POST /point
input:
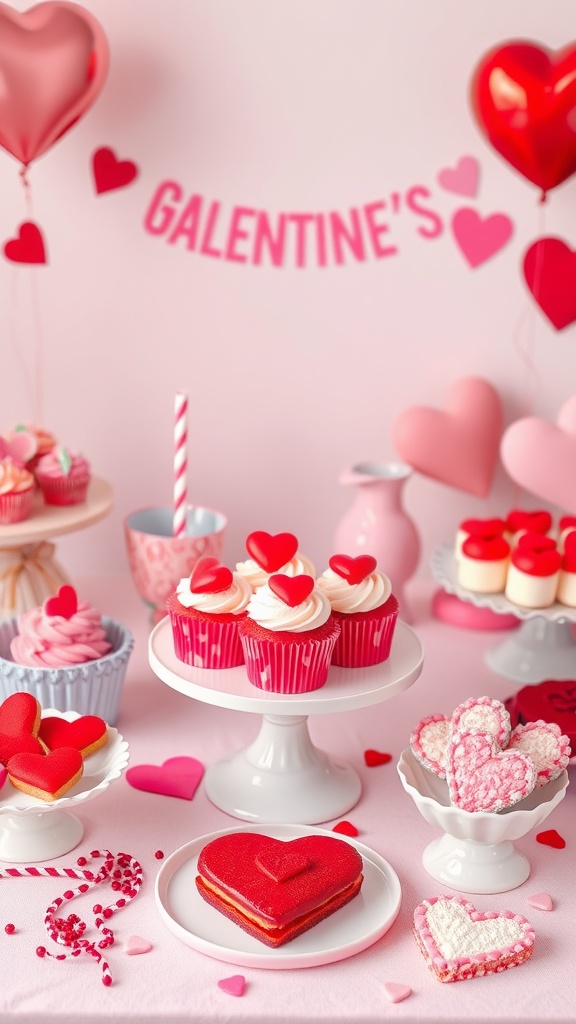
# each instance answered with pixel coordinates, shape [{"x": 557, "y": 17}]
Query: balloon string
[
  {"x": 38, "y": 404},
  {"x": 33, "y": 371},
  {"x": 15, "y": 335}
]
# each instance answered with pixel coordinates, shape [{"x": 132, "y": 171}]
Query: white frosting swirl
[
  {"x": 350, "y": 598},
  {"x": 299, "y": 565},
  {"x": 271, "y": 613},
  {"x": 232, "y": 601}
]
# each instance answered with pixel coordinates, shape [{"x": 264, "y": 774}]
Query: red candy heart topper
[
  {"x": 353, "y": 570},
  {"x": 569, "y": 560},
  {"x": 64, "y": 603},
  {"x": 292, "y": 590},
  {"x": 209, "y": 577},
  {"x": 271, "y": 551}
]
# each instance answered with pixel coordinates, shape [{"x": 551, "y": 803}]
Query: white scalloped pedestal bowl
[{"x": 476, "y": 853}]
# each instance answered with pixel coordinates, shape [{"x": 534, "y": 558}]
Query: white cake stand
[
  {"x": 32, "y": 830},
  {"x": 543, "y": 647},
  {"x": 282, "y": 776},
  {"x": 476, "y": 852}
]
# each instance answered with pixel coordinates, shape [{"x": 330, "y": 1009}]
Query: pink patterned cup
[{"x": 158, "y": 560}]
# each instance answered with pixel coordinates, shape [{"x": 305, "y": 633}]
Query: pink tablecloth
[{"x": 174, "y": 984}]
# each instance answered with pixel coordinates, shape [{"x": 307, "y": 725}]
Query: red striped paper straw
[{"x": 180, "y": 462}]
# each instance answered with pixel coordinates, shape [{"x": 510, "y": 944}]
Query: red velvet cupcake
[
  {"x": 205, "y": 613},
  {"x": 363, "y": 604}
]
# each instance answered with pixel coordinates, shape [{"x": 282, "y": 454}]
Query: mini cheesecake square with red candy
[
  {"x": 534, "y": 571},
  {"x": 276, "y": 890}
]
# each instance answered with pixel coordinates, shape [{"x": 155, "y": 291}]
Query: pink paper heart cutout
[
  {"x": 234, "y": 986},
  {"x": 109, "y": 172},
  {"x": 540, "y": 901},
  {"x": 481, "y": 777},
  {"x": 458, "y": 445},
  {"x": 396, "y": 992},
  {"x": 480, "y": 238},
  {"x": 540, "y": 456},
  {"x": 462, "y": 178},
  {"x": 550, "y": 272},
  {"x": 135, "y": 944},
  {"x": 178, "y": 776}
]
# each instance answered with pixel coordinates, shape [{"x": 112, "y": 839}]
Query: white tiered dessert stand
[
  {"x": 543, "y": 646},
  {"x": 282, "y": 776}
]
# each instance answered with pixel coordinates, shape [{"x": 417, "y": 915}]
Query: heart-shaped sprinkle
[
  {"x": 551, "y": 838},
  {"x": 481, "y": 777},
  {"x": 135, "y": 944},
  {"x": 271, "y": 551},
  {"x": 282, "y": 865},
  {"x": 178, "y": 776},
  {"x": 233, "y": 986},
  {"x": 209, "y": 577},
  {"x": 346, "y": 828},
  {"x": 353, "y": 570},
  {"x": 540, "y": 901},
  {"x": 373, "y": 758},
  {"x": 64, "y": 603},
  {"x": 292, "y": 590},
  {"x": 396, "y": 992}
]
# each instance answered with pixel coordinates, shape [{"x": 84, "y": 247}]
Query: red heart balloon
[
  {"x": 353, "y": 570},
  {"x": 53, "y": 63},
  {"x": 292, "y": 590},
  {"x": 271, "y": 551},
  {"x": 208, "y": 577},
  {"x": 524, "y": 99},
  {"x": 550, "y": 273},
  {"x": 64, "y": 603}
]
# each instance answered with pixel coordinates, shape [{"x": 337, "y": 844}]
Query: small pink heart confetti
[
  {"x": 234, "y": 986},
  {"x": 396, "y": 992},
  {"x": 540, "y": 901},
  {"x": 373, "y": 758},
  {"x": 135, "y": 944}
]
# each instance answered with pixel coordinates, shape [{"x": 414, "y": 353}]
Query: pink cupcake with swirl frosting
[
  {"x": 365, "y": 607},
  {"x": 63, "y": 477},
  {"x": 16, "y": 492}
]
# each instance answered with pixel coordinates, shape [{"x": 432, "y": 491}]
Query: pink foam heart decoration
[
  {"x": 480, "y": 238},
  {"x": 135, "y": 944},
  {"x": 550, "y": 273},
  {"x": 178, "y": 776},
  {"x": 462, "y": 179},
  {"x": 540, "y": 456},
  {"x": 396, "y": 992},
  {"x": 234, "y": 986},
  {"x": 541, "y": 901},
  {"x": 458, "y": 445}
]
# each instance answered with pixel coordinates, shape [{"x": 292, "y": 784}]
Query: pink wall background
[{"x": 293, "y": 372}]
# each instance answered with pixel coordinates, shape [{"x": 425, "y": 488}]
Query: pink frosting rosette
[{"x": 53, "y": 641}]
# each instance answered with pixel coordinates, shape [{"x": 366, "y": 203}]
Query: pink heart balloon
[
  {"x": 540, "y": 456},
  {"x": 53, "y": 63},
  {"x": 458, "y": 446}
]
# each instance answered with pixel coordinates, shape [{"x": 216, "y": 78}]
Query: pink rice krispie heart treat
[
  {"x": 545, "y": 743},
  {"x": 429, "y": 742},
  {"x": 485, "y": 715},
  {"x": 481, "y": 777}
]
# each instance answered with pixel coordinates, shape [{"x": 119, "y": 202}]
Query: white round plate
[{"x": 346, "y": 932}]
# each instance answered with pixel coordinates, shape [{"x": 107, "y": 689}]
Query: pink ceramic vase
[{"x": 377, "y": 523}]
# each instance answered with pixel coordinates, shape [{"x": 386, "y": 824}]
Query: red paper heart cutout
[
  {"x": 28, "y": 247},
  {"x": 346, "y": 828},
  {"x": 282, "y": 865},
  {"x": 292, "y": 590},
  {"x": 551, "y": 838},
  {"x": 82, "y": 734},
  {"x": 353, "y": 570},
  {"x": 271, "y": 551},
  {"x": 209, "y": 577},
  {"x": 49, "y": 773},
  {"x": 372, "y": 758},
  {"x": 64, "y": 603},
  {"x": 550, "y": 273},
  {"x": 111, "y": 173},
  {"x": 178, "y": 776}
]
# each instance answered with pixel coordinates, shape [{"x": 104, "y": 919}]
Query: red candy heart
[
  {"x": 64, "y": 603},
  {"x": 292, "y": 590},
  {"x": 282, "y": 865},
  {"x": 271, "y": 551},
  {"x": 551, "y": 838},
  {"x": 353, "y": 570},
  {"x": 373, "y": 758},
  {"x": 538, "y": 522},
  {"x": 345, "y": 828},
  {"x": 569, "y": 560},
  {"x": 208, "y": 577}
]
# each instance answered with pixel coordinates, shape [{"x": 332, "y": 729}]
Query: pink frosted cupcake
[
  {"x": 363, "y": 603},
  {"x": 63, "y": 477},
  {"x": 60, "y": 632},
  {"x": 273, "y": 553},
  {"x": 205, "y": 613},
  {"x": 34, "y": 441},
  {"x": 16, "y": 492},
  {"x": 288, "y": 635}
]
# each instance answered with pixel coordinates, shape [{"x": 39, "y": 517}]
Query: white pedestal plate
[{"x": 282, "y": 776}]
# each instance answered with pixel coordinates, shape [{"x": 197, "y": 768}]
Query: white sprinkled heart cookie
[
  {"x": 485, "y": 715},
  {"x": 481, "y": 777},
  {"x": 546, "y": 745},
  {"x": 429, "y": 743}
]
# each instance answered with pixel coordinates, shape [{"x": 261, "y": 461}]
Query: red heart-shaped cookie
[
  {"x": 47, "y": 776},
  {"x": 209, "y": 577},
  {"x": 86, "y": 734},
  {"x": 64, "y": 603},
  {"x": 353, "y": 570},
  {"x": 19, "y": 723},
  {"x": 271, "y": 551},
  {"x": 292, "y": 590}
]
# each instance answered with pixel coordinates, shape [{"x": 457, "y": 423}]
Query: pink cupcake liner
[
  {"x": 283, "y": 667},
  {"x": 206, "y": 643},
  {"x": 16, "y": 507},
  {"x": 63, "y": 491},
  {"x": 365, "y": 641}
]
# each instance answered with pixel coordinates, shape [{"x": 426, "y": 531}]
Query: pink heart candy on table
[
  {"x": 395, "y": 992},
  {"x": 541, "y": 901},
  {"x": 135, "y": 944},
  {"x": 545, "y": 743},
  {"x": 462, "y": 178},
  {"x": 540, "y": 456},
  {"x": 481, "y": 777},
  {"x": 458, "y": 445},
  {"x": 479, "y": 238},
  {"x": 178, "y": 776},
  {"x": 233, "y": 986}
]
